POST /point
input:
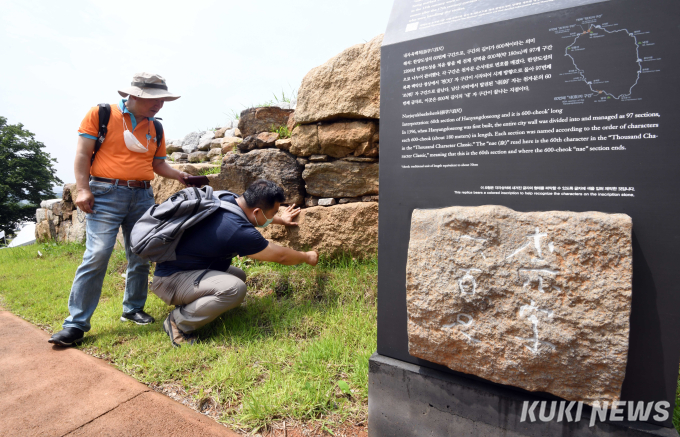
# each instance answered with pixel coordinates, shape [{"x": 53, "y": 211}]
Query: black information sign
[{"x": 539, "y": 105}]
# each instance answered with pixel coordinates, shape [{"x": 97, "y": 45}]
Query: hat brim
[{"x": 148, "y": 93}]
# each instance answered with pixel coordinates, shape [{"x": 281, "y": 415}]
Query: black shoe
[
  {"x": 67, "y": 337},
  {"x": 140, "y": 318}
]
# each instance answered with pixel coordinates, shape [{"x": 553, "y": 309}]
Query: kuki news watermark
[{"x": 617, "y": 411}]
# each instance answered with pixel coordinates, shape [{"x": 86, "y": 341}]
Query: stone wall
[
  {"x": 330, "y": 160},
  {"x": 60, "y": 220}
]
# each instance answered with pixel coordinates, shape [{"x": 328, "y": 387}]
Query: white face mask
[{"x": 131, "y": 142}]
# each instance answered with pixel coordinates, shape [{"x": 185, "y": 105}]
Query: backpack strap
[
  {"x": 104, "y": 116},
  {"x": 228, "y": 205},
  {"x": 159, "y": 133}
]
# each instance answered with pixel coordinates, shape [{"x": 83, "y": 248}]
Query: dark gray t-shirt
[{"x": 213, "y": 242}]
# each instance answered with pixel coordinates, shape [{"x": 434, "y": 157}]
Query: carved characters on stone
[
  {"x": 533, "y": 311},
  {"x": 537, "y": 300},
  {"x": 463, "y": 320}
]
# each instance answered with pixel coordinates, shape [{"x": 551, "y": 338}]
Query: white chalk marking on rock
[
  {"x": 460, "y": 322},
  {"x": 536, "y": 240},
  {"x": 536, "y": 342},
  {"x": 468, "y": 277},
  {"x": 537, "y": 278},
  {"x": 467, "y": 237}
]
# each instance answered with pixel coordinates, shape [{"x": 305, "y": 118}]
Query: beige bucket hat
[{"x": 148, "y": 86}]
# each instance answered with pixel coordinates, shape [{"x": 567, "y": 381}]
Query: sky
[{"x": 61, "y": 58}]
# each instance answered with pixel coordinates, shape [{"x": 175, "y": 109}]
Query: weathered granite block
[
  {"x": 341, "y": 179},
  {"x": 342, "y": 229},
  {"x": 537, "y": 300},
  {"x": 241, "y": 170}
]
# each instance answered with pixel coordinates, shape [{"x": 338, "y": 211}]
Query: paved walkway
[{"x": 51, "y": 391}]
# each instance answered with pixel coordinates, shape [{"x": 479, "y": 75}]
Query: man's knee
[
  {"x": 232, "y": 291},
  {"x": 237, "y": 272},
  {"x": 97, "y": 257}
]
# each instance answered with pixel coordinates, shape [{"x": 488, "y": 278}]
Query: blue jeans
[{"x": 115, "y": 206}]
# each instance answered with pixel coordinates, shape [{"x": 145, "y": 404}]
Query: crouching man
[{"x": 201, "y": 282}]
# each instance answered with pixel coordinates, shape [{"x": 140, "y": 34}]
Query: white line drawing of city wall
[{"x": 589, "y": 83}]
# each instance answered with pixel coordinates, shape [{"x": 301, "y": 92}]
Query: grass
[
  {"x": 283, "y": 98},
  {"x": 210, "y": 170},
  {"x": 676, "y": 412},
  {"x": 283, "y": 131},
  {"x": 233, "y": 115},
  {"x": 296, "y": 350}
]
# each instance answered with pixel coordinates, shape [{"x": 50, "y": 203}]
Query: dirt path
[{"x": 51, "y": 391}]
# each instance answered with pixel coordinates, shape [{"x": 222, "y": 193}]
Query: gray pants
[{"x": 217, "y": 293}]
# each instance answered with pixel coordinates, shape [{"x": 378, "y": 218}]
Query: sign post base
[{"x": 405, "y": 399}]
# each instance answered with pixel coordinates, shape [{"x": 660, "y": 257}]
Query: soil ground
[{"x": 53, "y": 391}]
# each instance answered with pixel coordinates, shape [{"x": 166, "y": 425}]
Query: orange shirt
[{"x": 114, "y": 160}]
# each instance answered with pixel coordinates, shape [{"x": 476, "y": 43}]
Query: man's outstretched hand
[
  {"x": 289, "y": 215},
  {"x": 312, "y": 258}
]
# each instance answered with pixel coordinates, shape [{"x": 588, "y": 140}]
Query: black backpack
[{"x": 105, "y": 115}]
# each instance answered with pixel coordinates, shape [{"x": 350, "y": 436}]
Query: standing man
[{"x": 114, "y": 189}]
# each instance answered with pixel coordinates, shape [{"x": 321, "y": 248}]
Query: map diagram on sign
[{"x": 607, "y": 58}]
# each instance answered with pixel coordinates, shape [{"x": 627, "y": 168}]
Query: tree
[{"x": 27, "y": 175}]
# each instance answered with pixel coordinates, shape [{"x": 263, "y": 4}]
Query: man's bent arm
[
  {"x": 81, "y": 167},
  {"x": 285, "y": 256},
  {"x": 161, "y": 168}
]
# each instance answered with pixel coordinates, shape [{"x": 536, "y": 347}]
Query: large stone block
[
  {"x": 219, "y": 133},
  {"x": 173, "y": 146},
  {"x": 347, "y": 86},
  {"x": 283, "y": 144},
  {"x": 343, "y": 138},
  {"x": 305, "y": 140},
  {"x": 77, "y": 230},
  {"x": 255, "y": 120},
  {"x": 69, "y": 193},
  {"x": 537, "y": 300},
  {"x": 63, "y": 231},
  {"x": 165, "y": 187},
  {"x": 205, "y": 141},
  {"x": 47, "y": 204},
  {"x": 341, "y": 179},
  {"x": 57, "y": 207},
  {"x": 262, "y": 140},
  {"x": 190, "y": 142},
  {"x": 229, "y": 144},
  {"x": 350, "y": 229},
  {"x": 40, "y": 215},
  {"x": 240, "y": 170},
  {"x": 198, "y": 156},
  {"x": 179, "y": 155},
  {"x": 214, "y": 153},
  {"x": 44, "y": 231}
]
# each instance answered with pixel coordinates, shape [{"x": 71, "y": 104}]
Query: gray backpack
[{"x": 155, "y": 236}]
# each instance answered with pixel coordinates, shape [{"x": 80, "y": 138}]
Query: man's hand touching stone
[
  {"x": 289, "y": 215},
  {"x": 85, "y": 200}
]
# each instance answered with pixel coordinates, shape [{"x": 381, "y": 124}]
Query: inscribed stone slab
[{"x": 537, "y": 300}]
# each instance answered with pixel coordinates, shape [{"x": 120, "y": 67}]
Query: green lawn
[{"x": 296, "y": 350}]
